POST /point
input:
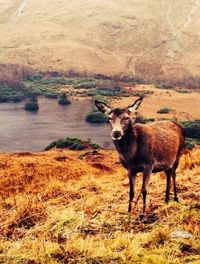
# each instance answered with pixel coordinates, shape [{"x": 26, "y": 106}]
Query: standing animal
[{"x": 145, "y": 148}]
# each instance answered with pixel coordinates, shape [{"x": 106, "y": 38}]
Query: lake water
[{"x": 27, "y": 131}]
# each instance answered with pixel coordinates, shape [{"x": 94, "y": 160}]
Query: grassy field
[{"x": 61, "y": 206}]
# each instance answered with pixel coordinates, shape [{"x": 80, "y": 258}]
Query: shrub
[
  {"x": 33, "y": 78},
  {"x": 51, "y": 94},
  {"x": 72, "y": 144},
  {"x": 190, "y": 143},
  {"x": 143, "y": 120},
  {"x": 192, "y": 128},
  {"x": 32, "y": 104},
  {"x": 85, "y": 86},
  {"x": 3, "y": 99},
  {"x": 101, "y": 98},
  {"x": 56, "y": 81},
  {"x": 63, "y": 100},
  {"x": 9, "y": 94},
  {"x": 92, "y": 93},
  {"x": 164, "y": 86},
  {"x": 183, "y": 91},
  {"x": 81, "y": 93},
  {"x": 106, "y": 92},
  {"x": 164, "y": 110},
  {"x": 17, "y": 98},
  {"x": 96, "y": 117},
  {"x": 106, "y": 89}
]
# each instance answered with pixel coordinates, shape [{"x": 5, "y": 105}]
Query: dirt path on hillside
[{"x": 19, "y": 11}]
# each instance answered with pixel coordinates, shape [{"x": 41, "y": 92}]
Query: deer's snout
[{"x": 116, "y": 135}]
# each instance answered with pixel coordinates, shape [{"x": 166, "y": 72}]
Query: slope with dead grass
[
  {"x": 66, "y": 207},
  {"x": 152, "y": 38}
]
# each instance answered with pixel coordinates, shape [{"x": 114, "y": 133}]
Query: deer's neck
[{"x": 126, "y": 146}]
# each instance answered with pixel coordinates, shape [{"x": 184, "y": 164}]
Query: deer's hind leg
[
  {"x": 174, "y": 167},
  {"x": 168, "y": 173},
  {"x": 145, "y": 184}
]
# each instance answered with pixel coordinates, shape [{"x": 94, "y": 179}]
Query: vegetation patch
[
  {"x": 85, "y": 86},
  {"x": 143, "y": 120},
  {"x": 191, "y": 143},
  {"x": 164, "y": 110},
  {"x": 51, "y": 94},
  {"x": 31, "y": 104},
  {"x": 184, "y": 91},
  {"x": 63, "y": 100},
  {"x": 9, "y": 94},
  {"x": 73, "y": 144},
  {"x": 165, "y": 86},
  {"x": 95, "y": 116},
  {"x": 192, "y": 128}
]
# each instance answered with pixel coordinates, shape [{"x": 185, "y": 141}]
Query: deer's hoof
[{"x": 167, "y": 200}]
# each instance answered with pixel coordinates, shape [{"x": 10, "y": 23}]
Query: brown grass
[
  {"x": 184, "y": 106},
  {"x": 56, "y": 208}
]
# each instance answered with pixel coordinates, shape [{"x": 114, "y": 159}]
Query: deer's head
[{"x": 119, "y": 118}]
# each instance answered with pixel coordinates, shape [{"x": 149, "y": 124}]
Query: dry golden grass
[
  {"x": 185, "y": 106},
  {"x": 57, "y": 208}
]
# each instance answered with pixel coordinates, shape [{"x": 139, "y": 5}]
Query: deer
[{"x": 145, "y": 148}]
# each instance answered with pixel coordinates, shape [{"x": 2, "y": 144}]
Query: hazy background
[{"x": 143, "y": 37}]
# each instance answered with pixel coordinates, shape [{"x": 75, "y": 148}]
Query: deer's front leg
[
  {"x": 146, "y": 177},
  {"x": 132, "y": 179}
]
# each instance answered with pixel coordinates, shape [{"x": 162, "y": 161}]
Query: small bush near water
[
  {"x": 95, "y": 116},
  {"x": 31, "y": 104},
  {"x": 73, "y": 144},
  {"x": 51, "y": 94},
  {"x": 63, "y": 100},
  {"x": 8, "y": 94}
]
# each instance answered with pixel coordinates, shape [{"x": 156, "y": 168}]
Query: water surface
[{"x": 27, "y": 131}]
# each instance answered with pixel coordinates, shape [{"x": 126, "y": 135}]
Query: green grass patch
[
  {"x": 96, "y": 117},
  {"x": 85, "y": 86},
  {"x": 9, "y": 94},
  {"x": 73, "y": 144}
]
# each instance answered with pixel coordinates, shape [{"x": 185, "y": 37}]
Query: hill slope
[
  {"x": 58, "y": 208},
  {"x": 140, "y": 37}
]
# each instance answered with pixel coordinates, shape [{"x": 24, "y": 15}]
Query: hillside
[
  {"x": 62, "y": 206},
  {"x": 146, "y": 38}
]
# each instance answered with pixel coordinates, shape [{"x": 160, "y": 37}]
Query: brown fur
[
  {"x": 152, "y": 148},
  {"x": 145, "y": 148}
]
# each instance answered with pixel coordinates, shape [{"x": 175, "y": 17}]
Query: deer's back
[{"x": 161, "y": 141}]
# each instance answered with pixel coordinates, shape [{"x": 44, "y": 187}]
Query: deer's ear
[
  {"x": 132, "y": 108},
  {"x": 103, "y": 107}
]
